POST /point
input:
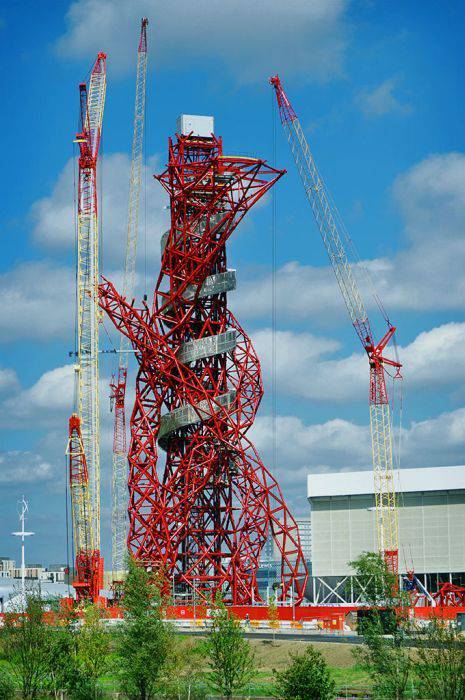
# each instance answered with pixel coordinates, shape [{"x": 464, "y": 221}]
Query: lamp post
[
  {"x": 195, "y": 597},
  {"x": 22, "y": 533},
  {"x": 293, "y": 601}
]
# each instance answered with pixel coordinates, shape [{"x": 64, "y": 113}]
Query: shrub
[
  {"x": 7, "y": 686},
  {"x": 306, "y": 678}
]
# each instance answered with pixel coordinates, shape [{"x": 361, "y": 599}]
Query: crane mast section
[
  {"x": 118, "y": 387},
  {"x": 383, "y": 477},
  {"x": 79, "y": 485},
  {"x": 135, "y": 181},
  {"x": 92, "y": 104}
]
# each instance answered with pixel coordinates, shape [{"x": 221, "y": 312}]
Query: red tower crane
[{"x": 326, "y": 218}]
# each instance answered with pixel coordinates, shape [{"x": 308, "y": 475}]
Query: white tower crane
[{"x": 118, "y": 387}]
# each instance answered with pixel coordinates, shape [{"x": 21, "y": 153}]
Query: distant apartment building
[
  {"x": 7, "y": 567},
  {"x": 56, "y": 573},
  {"x": 304, "y": 525},
  {"x": 32, "y": 571},
  {"x": 269, "y": 572},
  {"x": 270, "y": 551}
]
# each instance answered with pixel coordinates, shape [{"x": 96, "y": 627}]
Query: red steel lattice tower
[{"x": 204, "y": 516}]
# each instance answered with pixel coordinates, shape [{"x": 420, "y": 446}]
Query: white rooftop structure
[
  {"x": 196, "y": 124},
  {"x": 405, "y": 480}
]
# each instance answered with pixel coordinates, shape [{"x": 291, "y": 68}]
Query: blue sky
[{"x": 379, "y": 91}]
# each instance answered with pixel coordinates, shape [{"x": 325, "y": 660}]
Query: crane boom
[
  {"x": 85, "y": 492},
  {"x": 118, "y": 386},
  {"x": 380, "y": 421}
]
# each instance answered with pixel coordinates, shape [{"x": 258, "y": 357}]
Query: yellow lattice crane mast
[
  {"x": 118, "y": 386},
  {"x": 327, "y": 219},
  {"x": 84, "y": 427}
]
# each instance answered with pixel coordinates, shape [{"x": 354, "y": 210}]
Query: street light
[
  {"x": 293, "y": 600},
  {"x": 22, "y": 533},
  {"x": 195, "y": 597}
]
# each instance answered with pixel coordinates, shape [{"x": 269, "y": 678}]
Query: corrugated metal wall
[{"x": 431, "y": 530}]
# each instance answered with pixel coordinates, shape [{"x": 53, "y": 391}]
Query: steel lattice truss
[
  {"x": 118, "y": 384},
  {"x": 202, "y": 518}
]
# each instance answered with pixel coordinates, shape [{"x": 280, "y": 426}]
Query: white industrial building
[{"x": 431, "y": 516}]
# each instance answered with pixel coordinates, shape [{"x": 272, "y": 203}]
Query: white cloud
[
  {"x": 54, "y": 222},
  {"x": 252, "y": 39},
  {"x": 47, "y": 401},
  {"x": 381, "y": 100},
  {"x": 37, "y": 298},
  {"x": 337, "y": 443},
  {"x": 431, "y": 196},
  {"x": 303, "y": 370},
  {"x": 340, "y": 445},
  {"x": 47, "y": 405},
  {"x": 426, "y": 276},
  {"x": 434, "y": 359},
  {"x": 23, "y": 468},
  {"x": 36, "y": 301},
  {"x": 301, "y": 291},
  {"x": 435, "y": 442},
  {"x": 8, "y": 381}
]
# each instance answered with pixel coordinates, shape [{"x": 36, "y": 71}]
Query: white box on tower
[{"x": 196, "y": 124}]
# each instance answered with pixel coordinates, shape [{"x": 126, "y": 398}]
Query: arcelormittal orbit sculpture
[{"x": 203, "y": 517}]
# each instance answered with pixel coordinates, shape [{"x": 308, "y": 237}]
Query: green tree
[
  {"x": 144, "y": 641},
  {"x": 231, "y": 658},
  {"x": 7, "y": 685},
  {"x": 440, "y": 663},
  {"x": 93, "y": 646},
  {"x": 25, "y": 641},
  {"x": 374, "y": 584},
  {"x": 66, "y": 670},
  {"x": 184, "y": 674},
  {"x": 386, "y": 658},
  {"x": 306, "y": 678},
  {"x": 273, "y": 616},
  {"x": 61, "y": 661}
]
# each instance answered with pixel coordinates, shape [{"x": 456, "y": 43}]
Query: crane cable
[{"x": 274, "y": 395}]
